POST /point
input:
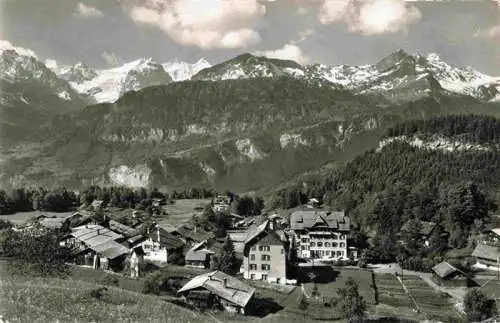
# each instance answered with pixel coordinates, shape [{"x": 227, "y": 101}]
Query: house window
[
  {"x": 252, "y": 276},
  {"x": 264, "y": 277},
  {"x": 304, "y": 240},
  {"x": 320, "y": 244},
  {"x": 342, "y": 245},
  {"x": 282, "y": 251},
  {"x": 252, "y": 257},
  {"x": 342, "y": 237},
  {"x": 313, "y": 244},
  {"x": 253, "y": 267},
  {"x": 328, "y": 252},
  {"x": 254, "y": 248},
  {"x": 327, "y": 244},
  {"x": 334, "y": 236},
  {"x": 265, "y": 267},
  {"x": 303, "y": 248},
  {"x": 339, "y": 253},
  {"x": 264, "y": 248},
  {"x": 265, "y": 258},
  {"x": 334, "y": 244}
]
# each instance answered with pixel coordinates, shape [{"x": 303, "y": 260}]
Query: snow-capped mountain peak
[
  {"x": 109, "y": 84},
  {"x": 181, "y": 71},
  {"x": 7, "y": 46}
]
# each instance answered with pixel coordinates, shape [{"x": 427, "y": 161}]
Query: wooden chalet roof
[
  {"x": 491, "y": 289},
  {"x": 308, "y": 219},
  {"x": 425, "y": 230},
  {"x": 235, "y": 290},
  {"x": 110, "y": 249},
  {"x": 266, "y": 235},
  {"x": 93, "y": 234},
  {"x": 122, "y": 229},
  {"x": 199, "y": 252},
  {"x": 166, "y": 239},
  {"x": 444, "y": 269},
  {"x": 486, "y": 252}
]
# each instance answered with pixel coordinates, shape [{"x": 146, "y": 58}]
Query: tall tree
[
  {"x": 226, "y": 260},
  {"x": 477, "y": 306},
  {"x": 350, "y": 303}
]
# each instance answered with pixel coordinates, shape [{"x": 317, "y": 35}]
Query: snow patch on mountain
[
  {"x": 137, "y": 176},
  {"x": 181, "y": 71},
  {"x": 109, "y": 84},
  {"x": 6, "y": 45}
]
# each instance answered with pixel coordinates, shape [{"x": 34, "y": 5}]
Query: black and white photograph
[{"x": 244, "y": 161}]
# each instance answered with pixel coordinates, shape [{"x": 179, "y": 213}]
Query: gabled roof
[
  {"x": 110, "y": 249},
  {"x": 444, "y": 269},
  {"x": 255, "y": 231},
  {"x": 235, "y": 290},
  {"x": 425, "y": 230},
  {"x": 198, "y": 255},
  {"x": 486, "y": 252},
  {"x": 307, "y": 219},
  {"x": 491, "y": 289},
  {"x": 166, "y": 239},
  {"x": 93, "y": 234},
  {"x": 122, "y": 228}
]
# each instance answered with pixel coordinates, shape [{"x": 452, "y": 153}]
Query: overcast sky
[{"x": 104, "y": 33}]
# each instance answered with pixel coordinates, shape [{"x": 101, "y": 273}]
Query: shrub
[
  {"x": 98, "y": 293},
  {"x": 109, "y": 280}
]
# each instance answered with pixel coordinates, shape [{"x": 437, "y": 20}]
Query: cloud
[
  {"x": 288, "y": 51},
  {"x": 112, "y": 59},
  {"x": 369, "y": 17},
  {"x": 6, "y": 45},
  {"x": 84, "y": 11},
  {"x": 490, "y": 33},
  {"x": 207, "y": 24}
]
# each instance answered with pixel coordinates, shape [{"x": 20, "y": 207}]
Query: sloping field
[
  {"x": 433, "y": 303},
  {"x": 24, "y": 299}
]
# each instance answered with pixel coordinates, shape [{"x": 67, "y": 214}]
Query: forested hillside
[{"x": 383, "y": 189}]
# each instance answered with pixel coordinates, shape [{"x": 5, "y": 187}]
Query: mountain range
[{"x": 243, "y": 124}]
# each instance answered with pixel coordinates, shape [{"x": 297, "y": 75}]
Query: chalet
[
  {"x": 265, "y": 255},
  {"x": 159, "y": 244},
  {"x": 426, "y": 230},
  {"x": 96, "y": 246},
  {"x": 199, "y": 256},
  {"x": 192, "y": 235},
  {"x": 487, "y": 256},
  {"x": 319, "y": 234},
  {"x": 217, "y": 289},
  {"x": 491, "y": 237},
  {"x": 221, "y": 204},
  {"x": 447, "y": 275}
]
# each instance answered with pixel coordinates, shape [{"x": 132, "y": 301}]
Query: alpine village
[{"x": 254, "y": 190}]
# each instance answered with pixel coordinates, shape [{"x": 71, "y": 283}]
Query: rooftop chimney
[{"x": 224, "y": 282}]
